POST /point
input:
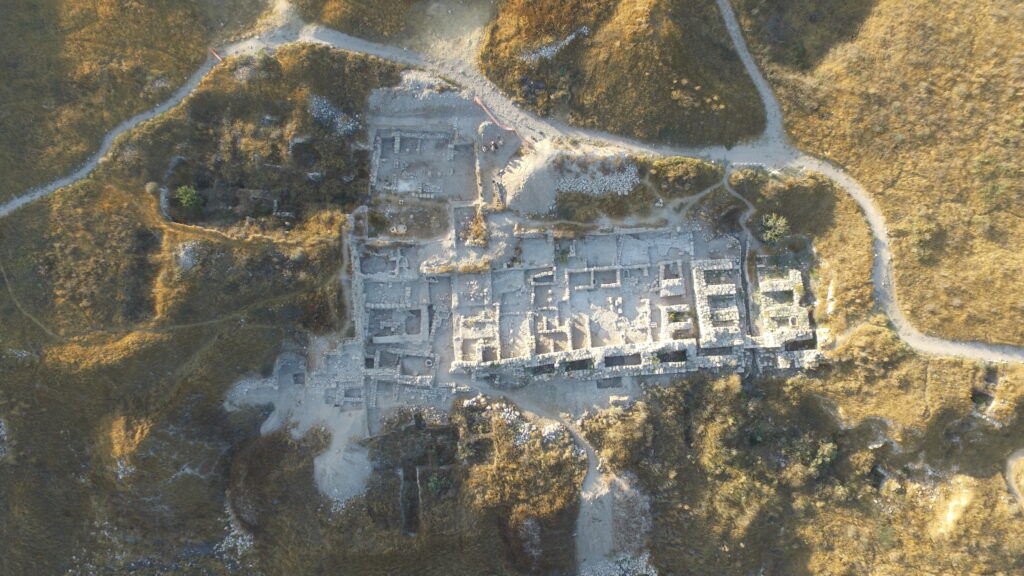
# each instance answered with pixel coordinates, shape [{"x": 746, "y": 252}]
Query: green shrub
[
  {"x": 188, "y": 197},
  {"x": 774, "y": 227}
]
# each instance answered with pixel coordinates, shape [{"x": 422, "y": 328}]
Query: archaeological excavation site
[
  {"x": 511, "y": 287},
  {"x": 462, "y": 278}
]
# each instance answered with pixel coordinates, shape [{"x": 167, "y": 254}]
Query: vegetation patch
[
  {"x": 480, "y": 491},
  {"x": 583, "y": 207},
  {"x": 762, "y": 474},
  {"x": 138, "y": 324},
  {"x": 265, "y": 145},
  {"x": 813, "y": 208},
  {"x": 366, "y": 18},
  {"x": 675, "y": 176}
]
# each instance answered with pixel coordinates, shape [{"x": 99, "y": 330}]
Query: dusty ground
[{"x": 343, "y": 468}]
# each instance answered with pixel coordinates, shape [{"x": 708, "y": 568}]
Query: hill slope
[
  {"x": 365, "y": 18},
  {"x": 73, "y": 70},
  {"x": 923, "y": 105},
  {"x": 650, "y": 69}
]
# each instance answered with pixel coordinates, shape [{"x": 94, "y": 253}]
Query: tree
[
  {"x": 774, "y": 227},
  {"x": 188, "y": 197}
]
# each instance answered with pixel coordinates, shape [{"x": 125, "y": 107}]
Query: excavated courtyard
[{"x": 501, "y": 298}]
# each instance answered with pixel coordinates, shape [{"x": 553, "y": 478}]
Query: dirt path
[
  {"x": 1011, "y": 463},
  {"x": 17, "y": 304},
  {"x": 595, "y": 525}
]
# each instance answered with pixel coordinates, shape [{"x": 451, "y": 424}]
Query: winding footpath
[
  {"x": 595, "y": 525},
  {"x": 771, "y": 150},
  {"x": 1011, "y": 481}
]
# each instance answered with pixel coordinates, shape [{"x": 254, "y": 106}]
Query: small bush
[
  {"x": 774, "y": 227},
  {"x": 188, "y": 197}
]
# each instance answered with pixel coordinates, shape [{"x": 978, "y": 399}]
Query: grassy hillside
[
  {"x": 123, "y": 330},
  {"x": 650, "y": 69},
  {"x": 365, "y": 18},
  {"x": 820, "y": 212},
  {"x": 73, "y": 70},
  {"x": 922, "y": 103}
]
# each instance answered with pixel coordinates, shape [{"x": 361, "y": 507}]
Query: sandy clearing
[{"x": 342, "y": 470}]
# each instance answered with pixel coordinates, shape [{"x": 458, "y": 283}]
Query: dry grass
[
  {"x": 121, "y": 454},
  {"x": 73, "y": 70},
  {"x": 366, "y": 18},
  {"x": 248, "y": 143},
  {"x": 620, "y": 435},
  {"x": 581, "y": 207},
  {"x": 923, "y": 106},
  {"x": 61, "y": 477},
  {"x": 675, "y": 177},
  {"x": 479, "y": 487},
  {"x": 651, "y": 69}
]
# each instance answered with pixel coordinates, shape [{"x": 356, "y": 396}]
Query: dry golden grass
[
  {"x": 874, "y": 375},
  {"x": 585, "y": 208},
  {"x": 61, "y": 477},
  {"x": 468, "y": 521},
  {"x": 650, "y": 69},
  {"x": 366, "y": 18},
  {"x": 73, "y": 70},
  {"x": 620, "y": 435},
  {"x": 923, "y": 106}
]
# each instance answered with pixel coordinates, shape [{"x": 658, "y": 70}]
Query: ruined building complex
[
  {"x": 454, "y": 286},
  {"x": 433, "y": 315}
]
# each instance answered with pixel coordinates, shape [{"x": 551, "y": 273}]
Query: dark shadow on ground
[{"x": 799, "y": 33}]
